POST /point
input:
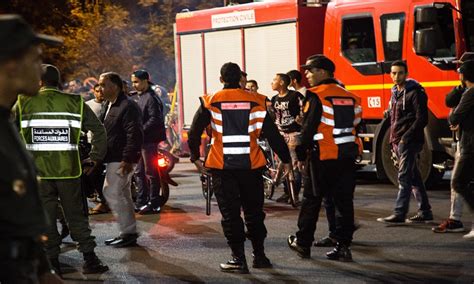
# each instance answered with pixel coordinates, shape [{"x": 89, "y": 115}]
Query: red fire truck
[{"x": 361, "y": 37}]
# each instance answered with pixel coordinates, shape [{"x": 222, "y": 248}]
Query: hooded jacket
[
  {"x": 463, "y": 115},
  {"x": 408, "y": 113}
]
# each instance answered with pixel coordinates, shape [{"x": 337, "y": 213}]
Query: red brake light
[{"x": 162, "y": 163}]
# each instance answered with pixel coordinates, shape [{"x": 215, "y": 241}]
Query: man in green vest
[{"x": 50, "y": 125}]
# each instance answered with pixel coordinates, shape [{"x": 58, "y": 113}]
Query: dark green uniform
[
  {"x": 22, "y": 218},
  {"x": 58, "y": 169}
]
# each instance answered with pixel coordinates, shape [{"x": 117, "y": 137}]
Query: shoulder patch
[
  {"x": 235, "y": 106},
  {"x": 343, "y": 102}
]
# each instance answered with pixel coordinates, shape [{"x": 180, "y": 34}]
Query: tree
[{"x": 108, "y": 35}]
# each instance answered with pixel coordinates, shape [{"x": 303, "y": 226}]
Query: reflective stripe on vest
[
  {"x": 337, "y": 137},
  {"x": 50, "y": 127},
  {"x": 236, "y": 122}
]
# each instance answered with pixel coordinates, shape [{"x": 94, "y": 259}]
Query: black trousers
[
  {"x": 463, "y": 173},
  {"x": 334, "y": 179},
  {"x": 236, "y": 190}
]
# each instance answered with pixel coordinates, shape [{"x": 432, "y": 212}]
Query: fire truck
[{"x": 362, "y": 38}]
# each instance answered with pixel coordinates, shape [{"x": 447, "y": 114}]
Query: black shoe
[
  {"x": 92, "y": 264},
  {"x": 420, "y": 218},
  {"x": 148, "y": 209},
  {"x": 235, "y": 265},
  {"x": 109, "y": 241},
  {"x": 125, "y": 241},
  {"x": 340, "y": 252},
  {"x": 283, "y": 199},
  {"x": 261, "y": 261},
  {"x": 302, "y": 251},
  {"x": 138, "y": 207},
  {"x": 56, "y": 266},
  {"x": 325, "y": 242},
  {"x": 392, "y": 220}
]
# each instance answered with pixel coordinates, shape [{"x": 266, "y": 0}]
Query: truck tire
[{"x": 430, "y": 175}]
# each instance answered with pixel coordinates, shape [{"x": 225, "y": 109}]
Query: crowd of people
[{"x": 314, "y": 132}]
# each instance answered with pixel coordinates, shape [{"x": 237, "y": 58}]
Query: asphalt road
[{"x": 182, "y": 244}]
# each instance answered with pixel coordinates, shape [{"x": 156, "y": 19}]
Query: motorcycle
[{"x": 165, "y": 162}]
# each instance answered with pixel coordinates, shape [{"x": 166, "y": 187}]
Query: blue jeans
[
  {"x": 148, "y": 178},
  {"x": 409, "y": 179}
]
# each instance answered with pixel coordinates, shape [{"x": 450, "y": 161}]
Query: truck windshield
[{"x": 467, "y": 9}]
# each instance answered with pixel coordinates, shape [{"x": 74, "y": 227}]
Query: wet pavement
[{"x": 183, "y": 245}]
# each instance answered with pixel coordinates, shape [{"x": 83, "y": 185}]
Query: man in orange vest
[
  {"x": 238, "y": 119},
  {"x": 332, "y": 115}
]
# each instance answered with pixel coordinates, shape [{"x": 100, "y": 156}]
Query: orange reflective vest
[
  {"x": 342, "y": 112},
  {"x": 236, "y": 121}
]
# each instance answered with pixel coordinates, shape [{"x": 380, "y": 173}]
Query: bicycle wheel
[{"x": 291, "y": 190}]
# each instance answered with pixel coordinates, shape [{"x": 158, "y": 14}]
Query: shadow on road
[{"x": 158, "y": 264}]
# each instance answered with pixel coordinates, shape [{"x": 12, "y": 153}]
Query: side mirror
[
  {"x": 426, "y": 16},
  {"x": 425, "y": 42}
]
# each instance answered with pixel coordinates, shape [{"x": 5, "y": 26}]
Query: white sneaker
[{"x": 469, "y": 236}]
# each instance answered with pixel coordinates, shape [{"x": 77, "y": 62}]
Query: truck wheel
[{"x": 429, "y": 174}]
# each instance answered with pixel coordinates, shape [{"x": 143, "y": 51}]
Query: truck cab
[{"x": 362, "y": 38}]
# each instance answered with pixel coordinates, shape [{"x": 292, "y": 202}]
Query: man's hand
[
  {"x": 454, "y": 127},
  {"x": 125, "y": 168},
  {"x": 199, "y": 166},
  {"x": 49, "y": 278},
  {"x": 301, "y": 165}
]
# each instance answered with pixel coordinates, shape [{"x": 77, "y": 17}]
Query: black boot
[
  {"x": 55, "y": 265},
  {"x": 92, "y": 264},
  {"x": 340, "y": 252},
  {"x": 260, "y": 260},
  {"x": 235, "y": 265},
  {"x": 238, "y": 263},
  {"x": 303, "y": 252}
]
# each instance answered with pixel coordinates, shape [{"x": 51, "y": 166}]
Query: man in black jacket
[
  {"x": 408, "y": 118},
  {"x": 453, "y": 224},
  {"x": 123, "y": 124},
  {"x": 147, "y": 177},
  {"x": 462, "y": 119}
]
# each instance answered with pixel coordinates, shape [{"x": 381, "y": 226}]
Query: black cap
[
  {"x": 467, "y": 70},
  {"x": 466, "y": 67},
  {"x": 321, "y": 62},
  {"x": 16, "y": 34},
  {"x": 50, "y": 74}
]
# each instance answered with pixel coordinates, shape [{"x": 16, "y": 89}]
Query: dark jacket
[
  {"x": 454, "y": 97},
  {"x": 21, "y": 210},
  {"x": 124, "y": 128},
  {"x": 408, "y": 113},
  {"x": 463, "y": 115},
  {"x": 152, "y": 115}
]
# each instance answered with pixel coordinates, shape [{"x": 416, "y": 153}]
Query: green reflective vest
[{"x": 50, "y": 124}]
